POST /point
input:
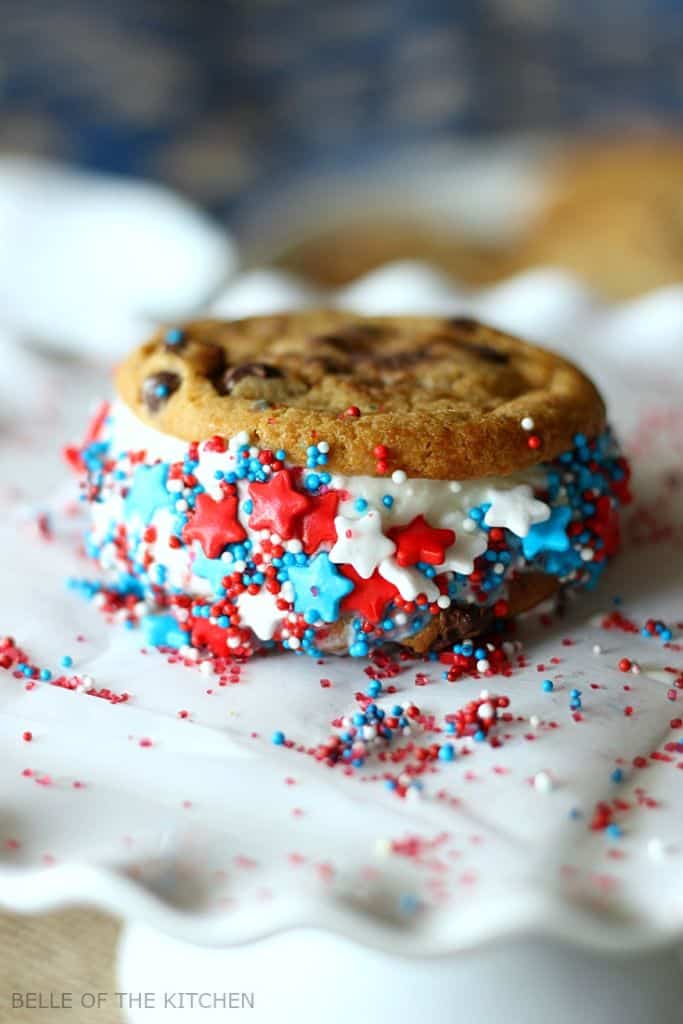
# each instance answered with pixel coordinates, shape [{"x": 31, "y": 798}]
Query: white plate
[{"x": 217, "y": 836}]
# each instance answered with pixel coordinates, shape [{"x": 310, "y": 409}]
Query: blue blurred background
[{"x": 229, "y": 101}]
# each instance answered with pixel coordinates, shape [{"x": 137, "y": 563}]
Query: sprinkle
[
  {"x": 543, "y": 782},
  {"x": 527, "y": 423},
  {"x": 278, "y": 738}
]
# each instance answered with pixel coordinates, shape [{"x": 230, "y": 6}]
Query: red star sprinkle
[
  {"x": 214, "y": 524},
  {"x": 369, "y": 597},
  {"x": 206, "y": 634},
  {"x": 317, "y": 526},
  {"x": 277, "y": 506},
  {"x": 420, "y": 542}
]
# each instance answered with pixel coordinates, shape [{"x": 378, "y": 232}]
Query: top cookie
[{"x": 445, "y": 397}]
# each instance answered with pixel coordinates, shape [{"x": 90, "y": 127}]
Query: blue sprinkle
[
  {"x": 278, "y": 738},
  {"x": 67, "y": 661},
  {"x": 446, "y": 752},
  {"x": 548, "y": 686},
  {"x": 614, "y": 831},
  {"x": 361, "y": 504},
  {"x": 617, "y": 775}
]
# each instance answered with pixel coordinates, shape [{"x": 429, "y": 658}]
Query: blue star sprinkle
[
  {"x": 318, "y": 589},
  {"x": 211, "y": 569},
  {"x": 550, "y": 535},
  {"x": 148, "y": 492},
  {"x": 164, "y": 631}
]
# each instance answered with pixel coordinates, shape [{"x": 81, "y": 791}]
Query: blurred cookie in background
[
  {"x": 612, "y": 214},
  {"x": 609, "y": 211},
  {"x": 337, "y": 255}
]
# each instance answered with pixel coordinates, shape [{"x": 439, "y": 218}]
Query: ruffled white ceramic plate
[{"x": 200, "y": 826}]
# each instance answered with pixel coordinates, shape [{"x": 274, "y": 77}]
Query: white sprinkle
[
  {"x": 400, "y": 618},
  {"x": 240, "y": 565},
  {"x": 295, "y": 547},
  {"x": 483, "y": 665},
  {"x": 543, "y": 782},
  {"x": 655, "y": 848},
  {"x": 324, "y": 447},
  {"x": 294, "y": 642},
  {"x": 455, "y": 487},
  {"x": 534, "y": 721},
  {"x": 233, "y": 641},
  {"x": 597, "y": 649},
  {"x": 181, "y": 505},
  {"x": 443, "y": 601},
  {"x": 206, "y": 668},
  {"x": 587, "y": 554},
  {"x": 527, "y": 423},
  {"x": 635, "y": 668},
  {"x": 276, "y": 538},
  {"x": 469, "y": 525},
  {"x": 382, "y": 847},
  {"x": 174, "y": 486},
  {"x": 486, "y": 711},
  {"x": 398, "y": 476}
]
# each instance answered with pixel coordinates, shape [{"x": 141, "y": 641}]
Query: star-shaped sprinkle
[
  {"x": 214, "y": 524},
  {"x": 361, "y": 543},
  {"x": 147, "y": 492},
  {"x": 277, "y": 505},
  {"x": 550, "y": 535},
  {"x": 211, "y": 569},
  {"x": 460, "y": 556},
  {"x": 260, "y": 613},
  {"x": 317, "y": 525},
  {"x": 370, "y": 596},
  {"x": 516, "y": 510},
  {"x": 409, "y": 582},
  {"x": 164, "y": 631},
  {"x": 420, "y": 542},
  {"x": 208, "y": 634},
  {"x": 318, "y": 588}
]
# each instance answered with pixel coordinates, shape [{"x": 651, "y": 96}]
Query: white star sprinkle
[
  {"x": 516, "y": 510},
  {"x": 361, "y": 543}
]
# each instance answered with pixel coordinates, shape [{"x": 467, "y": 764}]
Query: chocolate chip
[
  {"x": 351, "y": 339},
  {"x": 158, "y": 388},
  {"x": 466, "y": 325},
  {"x": 232, "y": 376},
  {"x": 463, "y": 323},
  {"x": 487, "y": 353}
]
